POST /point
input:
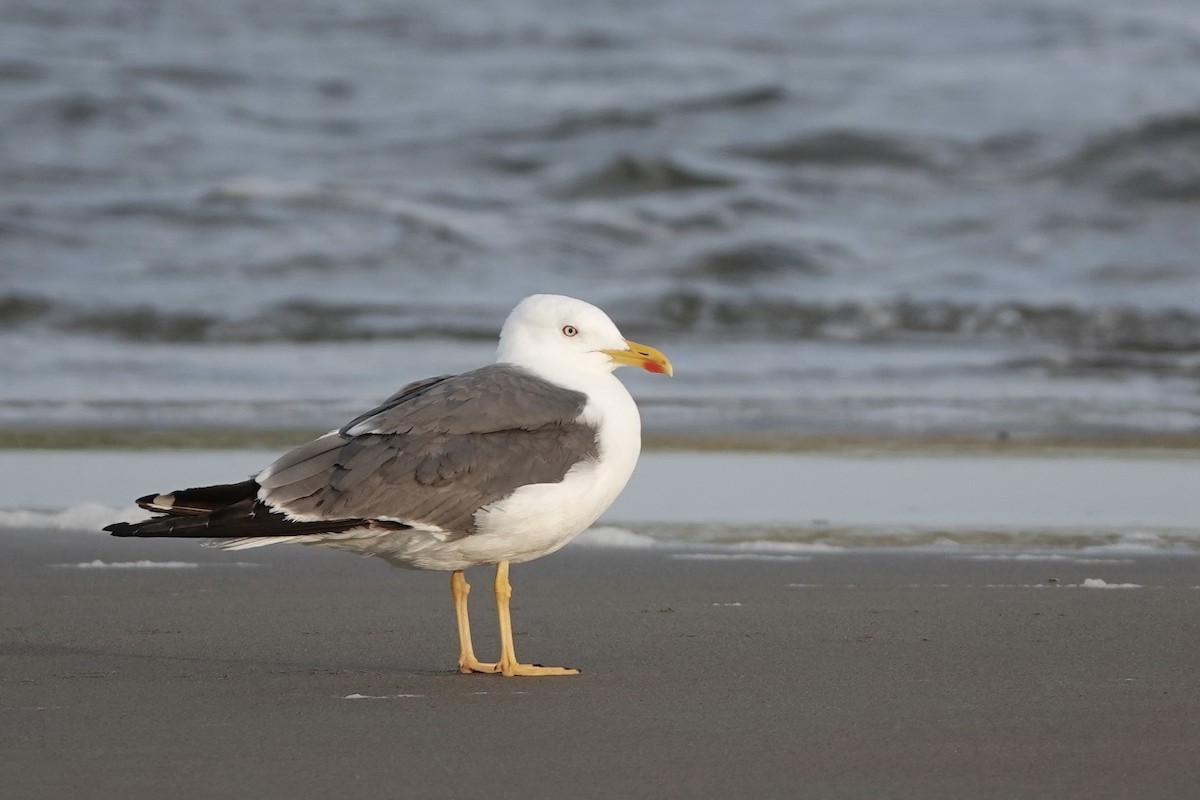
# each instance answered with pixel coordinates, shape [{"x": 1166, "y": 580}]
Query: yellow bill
[{"x": 640, "y": 355}]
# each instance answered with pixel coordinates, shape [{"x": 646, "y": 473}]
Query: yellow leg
[
  {"x": 467, "y": 662},
  {"x": 509, "y": 665}
]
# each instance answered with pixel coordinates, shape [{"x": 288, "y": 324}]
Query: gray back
[{"x": 437, "y": 451}]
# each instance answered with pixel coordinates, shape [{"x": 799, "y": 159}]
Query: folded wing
[{"x": 430, "y": 456}]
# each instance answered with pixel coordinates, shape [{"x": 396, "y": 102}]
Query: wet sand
[{"x": 867, "y": 675}]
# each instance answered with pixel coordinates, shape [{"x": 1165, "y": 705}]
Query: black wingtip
[{"x": 121, "y": 529}]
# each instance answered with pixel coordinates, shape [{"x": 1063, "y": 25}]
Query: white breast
[{"x": 538, "y": 519}]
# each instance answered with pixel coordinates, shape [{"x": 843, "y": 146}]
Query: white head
[{"x": 562, "y": 332}]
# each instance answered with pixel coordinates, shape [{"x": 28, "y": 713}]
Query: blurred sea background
[{"x": 877, "y": 219}]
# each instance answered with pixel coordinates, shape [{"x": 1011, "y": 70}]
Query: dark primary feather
[
  {"x": 228, "y": 510},
  {"x": 433, "y": 453},
  {"x": 203, "y": 499},
  {"x": 244, "y": 518}
]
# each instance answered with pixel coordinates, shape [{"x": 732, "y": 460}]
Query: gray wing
[{"x": 436, "y": 452}]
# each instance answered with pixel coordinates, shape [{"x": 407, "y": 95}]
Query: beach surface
[{"x": 162, "y": 669}]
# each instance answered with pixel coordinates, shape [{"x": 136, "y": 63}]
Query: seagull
[{"x": 499, "y": 465}]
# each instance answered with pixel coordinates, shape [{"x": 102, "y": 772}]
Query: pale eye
[{"x": 570, "y": 330}]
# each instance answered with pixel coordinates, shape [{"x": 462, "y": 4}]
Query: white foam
[
  {"x": 1028, "y": 586},
  {"x": 98, "y": 564},
  {"x": 1139, "y": 541},
  {"x": 1088, "y": 583},
  {"x": 763, "y": 546},
  {"x": 1043, "y": 557},
  {"x": 357, "y": 696},
  {"x": 609, "y": 536},
  {"x": 147, "y": 564},
  {"x": 616, "y": 537},
  {"x": 740, "y": 557},
  {"x": 1100, "y": 583},
  {"x": 87, "y": 516}
]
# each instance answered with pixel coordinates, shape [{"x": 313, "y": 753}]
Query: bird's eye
[{"x": 570, "y": 330}]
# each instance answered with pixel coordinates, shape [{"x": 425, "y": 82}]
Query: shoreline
[{"x": 1070, "y": 500}]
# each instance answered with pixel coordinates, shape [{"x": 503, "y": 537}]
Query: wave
[
  {"x": 584, "y": 123},
  {"x": 745, "y": 262},
  {"x": 19, "y": 309},
  {"x": 188, "y": 76},
  {"x": 608, "y": 536},
  {"x": 148, "y": 564},
  {"x": 629, "y": 175},
  {"x": 749, "y": 97},
  {"x": 142, "y": 564},
  {"x": 1085, "y": 545},
  {"x": 76, "y": 110},
  {"x": 1105, "y": 328},
  {"x": 14, "y": 71},
  {"x": 1154, "y": 160},
  {"x": 287, "y": 321},
  {"x": 581, "y": 123},
  {"x": 845, "y": 148},
  {"x": 83, "y": 517}
]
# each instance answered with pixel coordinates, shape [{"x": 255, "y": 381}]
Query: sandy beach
[{"x": 294, "y": 672}]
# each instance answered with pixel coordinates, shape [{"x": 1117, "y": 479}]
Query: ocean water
[{"x": 884, "y": 217}]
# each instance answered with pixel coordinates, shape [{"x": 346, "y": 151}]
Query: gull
[{"x": 499, "y": 465}]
